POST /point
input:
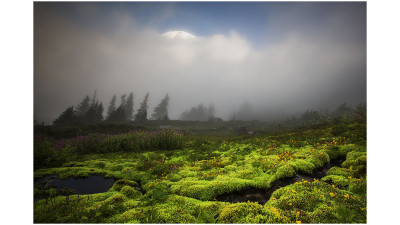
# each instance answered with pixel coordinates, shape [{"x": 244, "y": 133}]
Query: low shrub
[{"x": 46, "y": 155}]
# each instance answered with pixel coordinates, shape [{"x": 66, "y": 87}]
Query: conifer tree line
[
  {"x": 200, "y": 113},
  {"x": 90, "y": 110}
]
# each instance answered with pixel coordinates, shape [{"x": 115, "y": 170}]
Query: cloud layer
[{"x": 299, "y": 67}]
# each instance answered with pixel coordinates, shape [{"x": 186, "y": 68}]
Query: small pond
[{"x": 89, "y": 185}]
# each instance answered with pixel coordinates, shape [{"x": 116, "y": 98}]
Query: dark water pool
[{"x": 89, "y": 185}]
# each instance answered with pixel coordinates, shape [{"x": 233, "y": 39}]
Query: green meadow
[{"x": 204, "y": 172}]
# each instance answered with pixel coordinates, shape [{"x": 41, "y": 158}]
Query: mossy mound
[
  {"x": 317, "y": 202},
  {"x": 122, "y": 183},
  {"x": 130, "y": 192},
  {"x": 250, "y": 213},
  {"x": 337, "y": 180}
]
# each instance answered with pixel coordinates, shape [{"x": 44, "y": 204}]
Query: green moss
[
  {"x": 354, "y": 155},
  {"x": 356, "y": 161},
  {"x": 130, "y": 192},
  {"x": 344, "y": 149},
  {"x": 131, "y": 216},
  {"x": 334, "y": 152},
  {"x": 358, "y": 186},
  {"x": 116, "y": 198},
  {"x": 174, "y": 177},
  {"x": 340, "y": 172},
  {"x": 100, "y": 164},
  {"x": 303, "y": 166},
  {"x": 339, "y": 181},
  {"x": 250, "y": 213},
  {"x": 318, "y": 158},
  {"x": 323, "y": 214},
  {"x": 119, "y": 184},
  {"x": 181, "y": 188},
  {"x": 285, "y": 171}
]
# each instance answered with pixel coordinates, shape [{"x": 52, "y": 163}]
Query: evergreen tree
[
  {"x": 118, "y": 114},
  {"x": 129, "y": 107},
  {"x": 198, "y": 113},
  {"x": 141, "y": 115},
  {"x": 211, "y": 112},
  {"x": 94, "y": 113},
  {"x": 94, "y": 98},
  {"x": 83, "y": 107},
  {"x": 111, "y": 108},
  {"x": 343, "y": 109},
  {"x": 66, "y": 117},
  {"x": 99, "y": 112},
  {"x": 161, "y": 111}
]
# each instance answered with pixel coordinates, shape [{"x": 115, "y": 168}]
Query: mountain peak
[{"x": 178, "y": 34}]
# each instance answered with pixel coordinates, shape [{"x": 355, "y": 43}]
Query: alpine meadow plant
[
  {"x": 162, "y": 139},
  {"x": 46, "y": 154}
]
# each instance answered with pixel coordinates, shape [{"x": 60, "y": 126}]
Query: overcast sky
[{"x": 281, "y": 58}]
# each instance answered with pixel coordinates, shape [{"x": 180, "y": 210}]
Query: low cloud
[{"x": 290, "y": 72}]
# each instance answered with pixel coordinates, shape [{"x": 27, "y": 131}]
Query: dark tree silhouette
[
  {"x": 83, "y": 107},
  {"x": 94, "y": 98},
  {"x": 141, "y": 115},
  {"x": 198, "y": 113},
  {"x": 343, "y": 109},
  {"x": 211, "y": 112},
  {"x": 309, "y": 115},
  {"x": 111, "y": 108},
  {"x": 94, "y": 113},
  {"x": 67, "y": 117},
  {"x": 129, "y": 107},
  {"x": 119, "y": 114},
  {"x": 161, "y": 111}
]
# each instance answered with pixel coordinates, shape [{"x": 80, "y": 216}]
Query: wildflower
[
  {"x": 298, "y": 221},
  {"x": 298, "y": 213},
  {"x": 293, "y": 191},
  {"x": 362, "y": 209},
  {"x": 321, "y": 195},
  {"x": 349, "y": 177},
  {"x": 347, "y": 196},
  {"x": 273, "y": 198},
  {"x": 319, "y": 190},
  {"x": 290, "y": 204},
  {"x": 331, "y": 194},
  {"x": 333, "y": 185}
]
